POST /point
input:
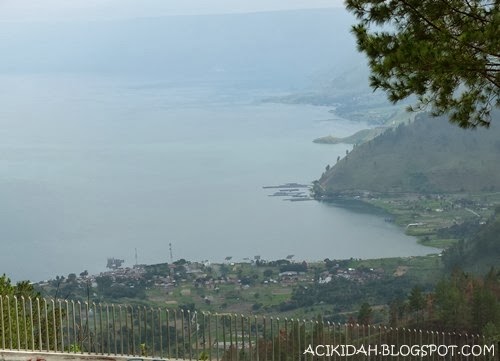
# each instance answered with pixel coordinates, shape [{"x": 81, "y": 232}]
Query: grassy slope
[{"x": 428, "y": 155}]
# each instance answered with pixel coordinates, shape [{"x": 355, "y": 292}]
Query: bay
[{"x": 93, "y": 167}]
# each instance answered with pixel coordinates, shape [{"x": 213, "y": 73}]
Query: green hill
[{"x": 428, "y": 155}]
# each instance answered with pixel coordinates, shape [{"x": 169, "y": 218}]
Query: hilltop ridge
[{"x": 428, "y": 155}]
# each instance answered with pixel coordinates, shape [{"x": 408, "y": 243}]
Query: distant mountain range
[
  {"x": 427, "y": 155},
  {"x": 282, "y": 49}
]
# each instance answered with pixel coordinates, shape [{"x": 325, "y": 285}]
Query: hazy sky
[{"x": 70, "y": 10}]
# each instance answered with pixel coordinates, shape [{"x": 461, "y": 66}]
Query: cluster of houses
[{"x": 212, "y": 277}]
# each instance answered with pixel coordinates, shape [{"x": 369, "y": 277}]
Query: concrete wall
[{"x": 8, "y": 355}]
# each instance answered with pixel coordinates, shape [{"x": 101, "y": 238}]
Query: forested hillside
[
  {"x": 479, "y": 253},
  {"x": 428, "y": 155}
]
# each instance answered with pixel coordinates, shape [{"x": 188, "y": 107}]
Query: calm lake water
[{"x": 92, "y": 168}]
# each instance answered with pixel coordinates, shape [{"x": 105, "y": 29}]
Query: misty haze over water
[{"x": 140, "y": 133}]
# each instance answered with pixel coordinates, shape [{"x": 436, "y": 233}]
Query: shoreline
[
  {"x": 431, "y": 218},
  {"x": 365, "y": 206}
]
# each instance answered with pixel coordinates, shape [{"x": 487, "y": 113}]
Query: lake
[{"x": 96, "y": 167}]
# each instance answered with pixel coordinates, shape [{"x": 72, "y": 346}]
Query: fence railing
[{"x": 67, "y": 326}]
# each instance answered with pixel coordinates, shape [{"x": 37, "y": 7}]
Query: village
[{"x": 253, "y": 286}]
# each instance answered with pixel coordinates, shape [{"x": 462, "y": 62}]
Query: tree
[
  {"x": 446, "y": 52},
  {"x": 485, "y": 308},
  {"x": 104, "y": 284},
  {"x": 13, "y": 301},
  {"x": 416, "y": 302},
  {"x": 365, "y": 314},
  {"x": 451, "y": 301},
  {"x": 396, "y": 312},
  {"x": 268, "y": 273},
  {"x": 71, "y": 278}
]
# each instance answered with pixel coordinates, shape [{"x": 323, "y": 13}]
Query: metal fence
[{"x": 73, "y": 327}]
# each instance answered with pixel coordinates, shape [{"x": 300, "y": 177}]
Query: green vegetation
[
  {"x": 426, "y": 156},
  {"x": 21, "y": 289},
  {"x": 478, "y": 252},
  {"x": 437, "y": 220},
  {"x": 263, "y": 287},
  {"x": 440, "y": 184},
  {"x": 359, "y": 137},
  {"x": 445, "y": 52},
  {"x": 458, "y": 302},
  {"x": 13, "y": 300},
  {"x": 403, "y": 292}
]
